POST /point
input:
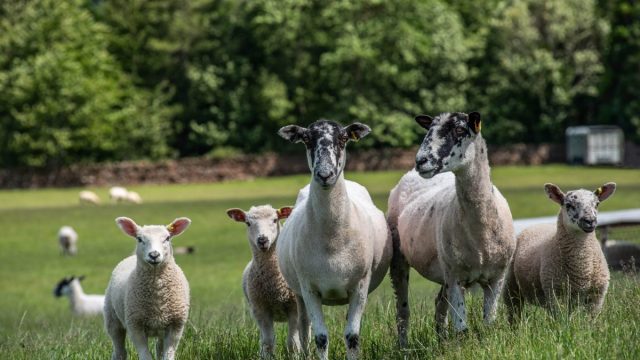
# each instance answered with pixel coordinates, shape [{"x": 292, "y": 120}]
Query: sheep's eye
[
  {"x": 460, "y": 131},
  {"x": 570, "y": 207},
  {"x": 248, "y": 223},
  {"x": 167, "y": 239},
  {"x": 275, "y": 221},
  {"x": 139, "y": 239}
]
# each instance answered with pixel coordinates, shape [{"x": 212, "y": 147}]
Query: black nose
[
  {"x": 324, "y": 176},
  {"x": 154, "y": 255},
  {"x": 262, "y": 240},
  {"x": 421, "y": 161},
  {"x": 588, "y": 224}
]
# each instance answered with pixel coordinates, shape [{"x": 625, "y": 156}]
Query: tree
[{"x": 65, "y": 99}]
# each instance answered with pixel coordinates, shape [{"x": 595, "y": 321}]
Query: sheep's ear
[
  {"x": 357, "y": 131},
  {"x": 237, "y": 215},
  {"x": 605, "y": 191},
  {"x": 128, "y": 226},
  {"x": 293, "y": 133},
  {"x": 284, "y": 212},
  {"x": 475, "y": 123},
  {"x": 424, "y": 121},
  {"x": 178, "y": 226},
  {"x": 554, "y": 193},
  {"x": 81, "y": 277}
]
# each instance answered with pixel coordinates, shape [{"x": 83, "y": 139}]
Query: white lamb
[
  {"x": 118, "y": 194},
  {"x": 335, "y": 247},
  {"x": 89, "y": 197},
  {"x": 68, "y": 240},
  {"x": 81, "y": 303},
  {"x": 562, "y": 260},
  {"x": 449, "y": 222},
  {"x": 134, "y": 197},
  {"x": 148, "y": 295},
  {"x": 269, "y": 297}
]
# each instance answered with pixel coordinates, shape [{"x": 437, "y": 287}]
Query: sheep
[
  {"x": 562, "y": 260},
  {"x": 133, "y": 197},
  {"x": 118, "y": 194},
  {"x": 148, "y": 295},
  {"x": 81, "y": 303},
  {"x": 266, "y": 291},
  {"x": 184, "y": 250},
  {"x": 335, "y": 248},
  {"x": 449, "y": 222},
  {"x": 68, "y": 240},
  {"x": 89, "y": 197}
]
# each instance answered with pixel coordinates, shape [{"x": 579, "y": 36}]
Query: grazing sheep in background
[
  {"x": 269, "y": 297},
  {"x": 622, "y": 255},
  {"x": 184, "y": 250},
  {"x": 335, "y": 247},
  {"x": 89, "y": 197},
  {"x": 81, "y": 303},
  {"x": 68, "y": 239},
  {"x": 449, "y": 222},
  {"x": 118, "y": 194},
  {"x": 134, "y": 197},
  {"x": 148, "y": 295},
  {"x": 563, "y": 259}
]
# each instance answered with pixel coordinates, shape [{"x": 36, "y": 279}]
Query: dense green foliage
[
  {"x": 35, "y": 325},
  {"x": 102, "y": 80}
]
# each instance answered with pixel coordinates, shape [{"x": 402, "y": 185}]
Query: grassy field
[{"x": 35, "y": 325}]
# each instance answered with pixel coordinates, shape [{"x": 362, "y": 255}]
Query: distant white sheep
[
  {"x": 81, "y": 303},
  {"x": 68, "y": 240},
  {"x": 269, "y": 297},
  {"x": 120, "y": 194},
  {"x": 134, "y": 197},
  {"x": 89, "y": 197},
  {"x": 148, "y": 294},
  {"x": 562, "y": 260}
]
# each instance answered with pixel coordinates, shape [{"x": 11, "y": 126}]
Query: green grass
[{"x": 35, "y": 325}]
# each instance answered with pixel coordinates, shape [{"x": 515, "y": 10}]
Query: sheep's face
[
  {"x": 326, "y": 142},
  {"x": 263, "y": 224},
  {"x": 446, "y": 147},
  {"x": 579, "y": 208},
  {"x": 154, "y": 241},
  {"x": 63, "y": 288}
]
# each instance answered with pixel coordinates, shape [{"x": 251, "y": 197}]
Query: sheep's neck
[
  {"x": 575, "y": 250},
  {"x": 76, "y": 295},
  {"x": 474, "y": 188},
  {"x": 329, "y": 209}
]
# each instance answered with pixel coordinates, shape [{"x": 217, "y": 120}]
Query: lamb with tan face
[{"x": 562, "y": 260}]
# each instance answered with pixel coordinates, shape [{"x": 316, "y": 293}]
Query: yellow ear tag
[
  {"x": 599, "y": 191},
  {"x": 478, "y": 126},
  {"x": 353, "y": 136},
  {"x": 171, "y": 228}
]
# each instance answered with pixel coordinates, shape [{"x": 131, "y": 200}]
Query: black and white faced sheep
[
  {"x": 148, "y": 295},
  {"x": 81, "y": 303},
  {"x": 269, "y": 297},
  {"x": 562, "y": 261}
]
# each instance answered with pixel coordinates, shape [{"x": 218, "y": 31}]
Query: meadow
[{"x": 35, "y": 325}]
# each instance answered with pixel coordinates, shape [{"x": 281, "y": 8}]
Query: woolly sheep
[
  {"x": 266, "y": 291},
  {"x": 335, "y": 247},
  {"x": 118, "y": 194},
  {"x": 554, "y": 261},
  {"x": 89, "y": 197},
  {"x": 134, "y": 197},
  {"x": 81, "y": 303},
  {"x": 68, "y": 240},
  {"x": 449, "y": 222},
  {"x": 148, "y": 295}
]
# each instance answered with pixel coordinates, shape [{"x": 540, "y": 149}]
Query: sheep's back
[{"x": 533, "y": 248}]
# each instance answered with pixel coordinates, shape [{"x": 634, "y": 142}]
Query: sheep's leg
[
  {"x": 267, "y": 336},
  {"x": 171, "y": 340},
  {"x": 293, "y": 337},
  {"x": 357, "y": 303},
  {"x": 314, "y": 309},
  {"x": 441, "y": 311},
  {"x": 400, "y": 281},
  {"x": 159, "y": 347},
  {"x": 492, "y": 292},
  {"x": 304, "y": 326},
  {"x": 597, "y": 300},
  {"x": 456, "y": 305},
  {"x": 141, "y": 342},
  {"x": 117, "y": 333}
]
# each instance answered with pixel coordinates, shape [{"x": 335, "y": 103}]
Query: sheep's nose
[
  {"x": 324, "y": 175},
  {"x": 262, "y": 240},
  {"x": 154, "y": 255},
  {"x": 588, "y": 224},
  {"x": 421, "y": 161}
]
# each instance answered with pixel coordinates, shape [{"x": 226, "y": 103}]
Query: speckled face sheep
[
  {"x": 556, "y": 261},
  {"x": 81, "y": 303},
  {"x": 269, "y": 297},
  {"x": 336, "y": 247},
  {"x": 449, "y": 222},
  {"x": 148, "y": 295}
]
